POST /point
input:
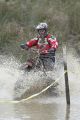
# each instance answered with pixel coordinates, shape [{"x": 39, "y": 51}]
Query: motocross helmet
[{"x": 42, "y": 29}]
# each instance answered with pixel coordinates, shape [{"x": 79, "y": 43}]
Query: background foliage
[{"x": 21, "y": 16}]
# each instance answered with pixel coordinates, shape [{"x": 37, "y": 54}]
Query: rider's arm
[
  {"x": 29, "y": 44},
  {"x": 53, "y": 42},
  {"x": 32, "y": 42}
]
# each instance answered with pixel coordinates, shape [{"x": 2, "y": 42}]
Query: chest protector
[{"x": 43, "y": 42}]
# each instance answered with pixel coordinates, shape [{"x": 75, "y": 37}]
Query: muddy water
[{"x": 42, "y": 107}]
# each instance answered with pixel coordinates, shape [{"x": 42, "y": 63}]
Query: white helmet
[{"x": 42, "y": 26}]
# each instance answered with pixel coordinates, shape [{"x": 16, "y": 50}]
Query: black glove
[{"x": 24, "y": 46}]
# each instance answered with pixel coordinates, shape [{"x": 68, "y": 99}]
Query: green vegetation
[{"x": 63, "y": 17}]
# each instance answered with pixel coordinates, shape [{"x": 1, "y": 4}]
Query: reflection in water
[
  {"x": 41, "y": 109},
  {"x": 67, "y": 116},
  {"x": 33, "y": 110}
]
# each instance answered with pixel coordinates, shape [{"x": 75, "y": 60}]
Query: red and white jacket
[{"x": 50, "y": 41}]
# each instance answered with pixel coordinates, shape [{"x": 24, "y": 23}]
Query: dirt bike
[
  {"x": 33, "y": 63},
  {"x": 28, "y": 84}
]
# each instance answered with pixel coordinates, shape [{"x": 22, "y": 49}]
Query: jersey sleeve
[{"x": 32, "y": 42}]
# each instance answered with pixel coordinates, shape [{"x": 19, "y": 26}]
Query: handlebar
[{"x": 38, "y": 51}]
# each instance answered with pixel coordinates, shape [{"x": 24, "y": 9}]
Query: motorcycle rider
[{"x": 46, "y": 44}]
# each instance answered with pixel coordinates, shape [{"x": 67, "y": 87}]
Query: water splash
[
  {"x": 14, "y": 83},
  {"x": 74, "y": 72},
  {"x": 9, "y": 74}
]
